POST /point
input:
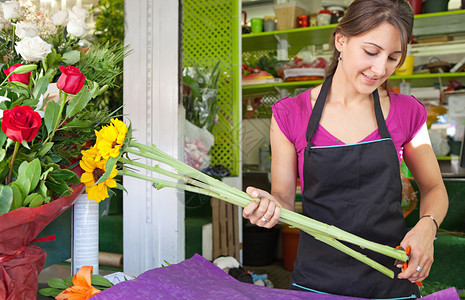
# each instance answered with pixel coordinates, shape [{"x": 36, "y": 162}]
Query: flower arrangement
[
  {"x": 201, "y": 105},
  {"x": 43, "y": 131},
  {"x": 109, "y": 156}
]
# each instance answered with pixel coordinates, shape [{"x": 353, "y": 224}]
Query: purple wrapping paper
[{"x": 197, "y": 278}]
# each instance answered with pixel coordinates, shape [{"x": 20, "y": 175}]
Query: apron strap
[
  {"x": 317, "y": 111},
  {"x": 382, "y": 128}
]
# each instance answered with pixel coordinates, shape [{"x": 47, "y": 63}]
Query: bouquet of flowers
[
  {"x": 43, "y": 132},
  {"x": 201, "y": 104}
]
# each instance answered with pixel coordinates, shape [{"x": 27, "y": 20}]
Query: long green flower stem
[
  {"x": 159, "y": 183},
  {"x": 287, "y": 216},
  {"x": 212, "y": 187}
]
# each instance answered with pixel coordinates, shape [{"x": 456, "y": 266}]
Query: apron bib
[{"x": 357, "y": 188}]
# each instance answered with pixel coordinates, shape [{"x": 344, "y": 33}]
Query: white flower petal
[{"x": 33, "y": 49}]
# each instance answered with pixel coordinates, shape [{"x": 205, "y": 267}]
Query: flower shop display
[
  {"x": 42, "y": 134},
  {"x": 201, "y": 104},
  {"x": 112, "y": 154}
]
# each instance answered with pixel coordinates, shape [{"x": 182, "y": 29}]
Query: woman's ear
[{"x": 339, "y": 41}]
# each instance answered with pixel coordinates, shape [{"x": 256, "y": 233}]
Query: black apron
[{"x": 355, "y": 187}]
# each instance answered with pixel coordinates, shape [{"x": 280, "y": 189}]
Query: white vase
[{"x": 85, "y": 234}]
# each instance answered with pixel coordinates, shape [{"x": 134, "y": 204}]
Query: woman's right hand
[{"x": 263, "y": 213}]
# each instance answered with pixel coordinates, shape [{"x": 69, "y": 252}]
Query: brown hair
[{"x": 364, "y": 15}]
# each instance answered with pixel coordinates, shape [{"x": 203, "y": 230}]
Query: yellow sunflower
[
  {"x": 93, "y": 171},
  {"x": 110, "y": 138}
]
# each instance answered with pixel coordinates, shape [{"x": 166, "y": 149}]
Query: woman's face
[{"x": 370, "y": 58}]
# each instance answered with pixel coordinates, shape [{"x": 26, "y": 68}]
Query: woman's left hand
[{"x": 421, "y": 241}]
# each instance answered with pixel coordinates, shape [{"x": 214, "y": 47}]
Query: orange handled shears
[{"x": 405, "y": 264}]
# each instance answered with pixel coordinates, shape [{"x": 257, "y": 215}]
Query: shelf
[
  {"x": 418, "y": 80},
  {"x": 448, "y": 22},
  {"x": 298, "y": 37},
  {"x": 426, "y": 80}
]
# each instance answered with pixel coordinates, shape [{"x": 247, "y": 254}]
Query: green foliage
[
  {"x": 200, "y": 102},
  {"x": 58, "y": 285},
  {"x": 103, "y": 62},
  {"x": 109, "y": 28},
  {"x": 430, "y": 287}
]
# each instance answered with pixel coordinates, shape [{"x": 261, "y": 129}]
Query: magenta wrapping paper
[{"x": 198, "y": 278}]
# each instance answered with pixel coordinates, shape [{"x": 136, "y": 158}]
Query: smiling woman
[{"x": 345, "y": 140}]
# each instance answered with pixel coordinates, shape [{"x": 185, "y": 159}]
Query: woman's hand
[
  {"x": 263, "y": 213},
  {"x": 420, "y": 239}
]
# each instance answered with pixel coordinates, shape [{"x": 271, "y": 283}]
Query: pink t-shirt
[{"x": 406, "y": 116}]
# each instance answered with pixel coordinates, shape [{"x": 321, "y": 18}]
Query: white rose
[
  {"x": 33, "y": 49},
  {"x": 78, "y": 14},
  {"x": 78, "y": 29},
  {"x": 60, "y": 18},
  {"x": 11, "y": 10},
  {"x": 24, "y": 29}
]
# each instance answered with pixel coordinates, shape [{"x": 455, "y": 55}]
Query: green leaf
[
  {"x": 41, "y": 86},
  {"x": 2, "y": 154},
  {"x": 3, "y": 138},
  {"x": 50, "y": 292},
  {"x": 78, "y": 102},
  {"x": 68, "y": 280},
  {"x": 24, "y": 69},
  {"x": 192, "y": 84},
  {"x": 37, "y": 201},
  {"x": 24, "y": 185},
  {"x": 100, "y": 281},
  {"x": 22, "y": 169},
  {"x": 78, "y": 124},
  {"x": 58, "y": 187},
  {"x": 120, "y": 187},
  {"x": 71, "y": 57},
  {"x": 111, "y": 162},
  {"x": 33, "y": 172},
  {"x": 63, "y": 174},
  {"x": 17, "y": 197},
  {"x": 45, "y": 149},
  {"x": 43, "y": 188},
  {"x": 51, "y": 115},
  {"x": 6, "y": 198},
  {"x": 52, "y": 58},
  {"x": 57, "y": 283},
  {"x": 45, "y": 173},
  {"x": 55, "y": 158},
  {"x": 30, "y": 198},
  {"x": 19, "y": 87}
]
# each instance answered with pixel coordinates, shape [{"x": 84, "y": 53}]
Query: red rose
[
  {"x": 21, "y": 123},
  {"x": 71, "y": 80},
  {"x": 23, "y": 78}
]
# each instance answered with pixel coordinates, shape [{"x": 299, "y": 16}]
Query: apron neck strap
[
  {"x": 382, "y": 128},
  {"x": 318, "y": 110},
  {"x": 320, "y": 103}
]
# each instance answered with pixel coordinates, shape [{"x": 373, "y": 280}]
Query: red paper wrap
[{"x": 20, "y": 263}]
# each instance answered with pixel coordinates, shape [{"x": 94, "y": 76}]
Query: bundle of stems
[{"x": 190, "y": 179}]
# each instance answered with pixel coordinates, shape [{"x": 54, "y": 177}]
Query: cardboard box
[{"x": 287, "y": 13}]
